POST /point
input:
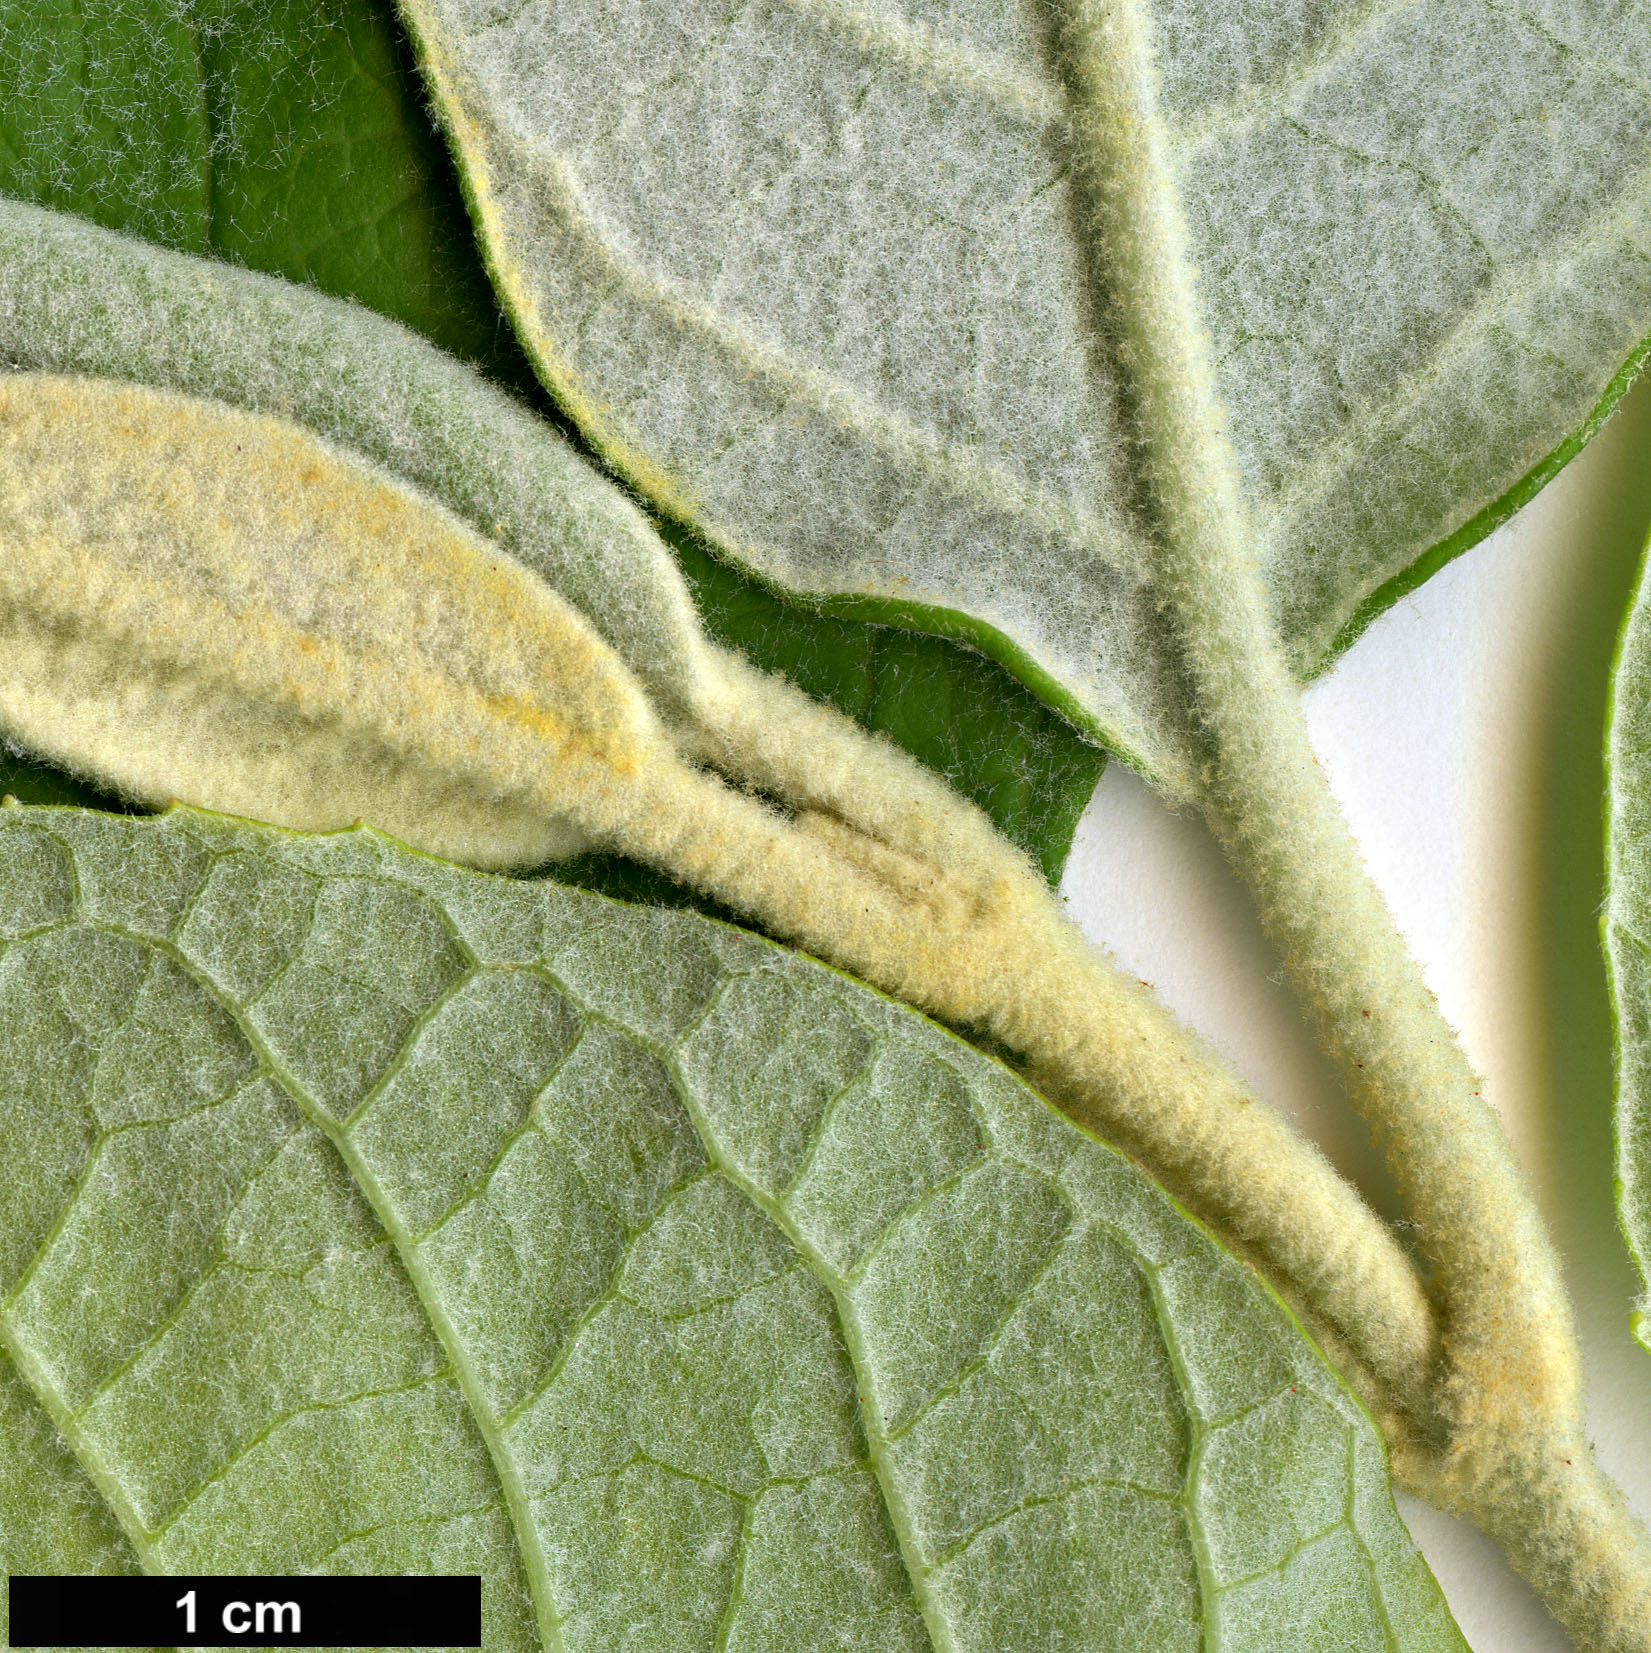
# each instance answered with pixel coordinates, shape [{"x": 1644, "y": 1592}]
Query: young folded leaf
[
  {"x": 388, "y": 1218},
  {"x": 834, "y": 282},
  {"x": 227, "y": 131},
  {"x": 74, "y": 298},
  {"x": 206, "y": 604},
  {"x": 77, "y": 299}
]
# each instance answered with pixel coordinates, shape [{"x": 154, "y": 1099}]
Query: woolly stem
[
  {"x": 987, "y": 948},
  {"x": 765, "y": 732},
  {"x": 1263, "y": 790},
  {"x": 1510, "y": 1366},
  {"x": 1567, "y": 1531},
  {"x": 191, "y": 602},
  {"x": 984, "y": 945}
]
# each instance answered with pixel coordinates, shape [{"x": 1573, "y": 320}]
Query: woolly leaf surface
[
  {"x": 202, "y": 603},
  {"x": 368, "y": 1214},
  {"x": 1626, "y": 927},
  {"x": 823, "y": 278},
  {"x": 292, "y": 139}
]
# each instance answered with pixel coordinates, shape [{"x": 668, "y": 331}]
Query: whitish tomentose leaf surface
[
  {"x": 368, "y": 1214},
  {"x": 1626, "y": 927},
  {"x": 81, "y": 300},
  {"x": 822, "y": 276},
  {"x": 292, "y": 137}
]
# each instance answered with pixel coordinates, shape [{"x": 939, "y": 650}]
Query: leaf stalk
[{"x": 1508, "y": 1368}]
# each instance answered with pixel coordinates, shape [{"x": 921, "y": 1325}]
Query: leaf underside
[
  {"x": 817, "y": 276},
  {"x": 1626, "y": 928},
  {"x": 380, "y": 1216},
  {"x": 290, "y": 138}
]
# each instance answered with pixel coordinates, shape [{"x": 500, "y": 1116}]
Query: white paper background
[{"x": 1463, "y": 735}]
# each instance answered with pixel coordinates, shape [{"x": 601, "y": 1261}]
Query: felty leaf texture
[
  {"x": 77, "y": 299},
  {"x": 382, "y": 1216},
  {"x": 1470, "y": 318},
  {"x": 289, "y": 138},
  {"x": 783, "y": 262}
]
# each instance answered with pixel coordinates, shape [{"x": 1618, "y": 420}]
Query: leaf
[
  {"x": 382, "y": 1216},
  {"x": 828, "y": 281},
  {"x": 212, "y": 605},
  {"x": 102, "y": 474},
  {"x": 1625, "y": 926},
  {"x": 290, "y": 138},
  {"x": 275, "y": 134},
  {"x": 949, "y": 705},
  {"x": 216, "y": 605}
]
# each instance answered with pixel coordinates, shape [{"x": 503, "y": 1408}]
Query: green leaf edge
[
  {"x": 954, "y": 623},
  {"x": 1492, "y": 517},
  {"x": 965, "y": 628},
  {"x": 1639, "y": 1318},
  {"x": 186, "y": 813}
]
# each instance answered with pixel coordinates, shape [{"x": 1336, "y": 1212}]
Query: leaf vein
[
  {"x": 979, "y": 1362},
  {"x": 1508, "y": 285},
  {"x": 967, "y": 474},
  {"x": 1263, "y": 97},
  {"x": 247, "y": 1447},
  {"x": 516, "y": 1502}
]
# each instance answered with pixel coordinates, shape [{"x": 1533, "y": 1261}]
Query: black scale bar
[{"x": 245, "y": 1612}]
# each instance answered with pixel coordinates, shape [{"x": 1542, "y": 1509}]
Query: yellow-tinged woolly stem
[
  {"x": 215, "y": 605},
  {"x": 1008, "y": 963},
  {"x": 1510, "y": 1367},
  {"x": 206, "y": 602},
  {"x": 989, "y": 949},
  {"x": 1565, "y": 1527}
]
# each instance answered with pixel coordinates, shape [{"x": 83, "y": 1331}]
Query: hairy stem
[
  {"x": 1566, "y": 1529},
  {"x": 1267, "y": 800},
  {"x": 889, "y": 874},
  {"x": 192, "y": 602},
  {"x": 1509, "y": 1362}
]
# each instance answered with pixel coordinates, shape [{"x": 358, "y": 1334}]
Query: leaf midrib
[{"x": 1317, "y": 638}]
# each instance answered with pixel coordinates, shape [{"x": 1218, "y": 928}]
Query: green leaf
[
  {"x": 278, "y": 135},
  {"x": 376, "y": 1215},
  {"x": 52, "y": 1519},
  {"x": 101, "y": 112},
  {"x": 290, "y": 138},
  {"x": 30, "y": 781},
  {"x": 833, "y": 283},
  {"x": 1625, "y": 926},
  {"x": 324, "y": 171}
]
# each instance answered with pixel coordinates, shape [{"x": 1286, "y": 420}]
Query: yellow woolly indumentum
[
  {"x": 202, "y": 604},
  {"x": 206, "y": 604}
]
